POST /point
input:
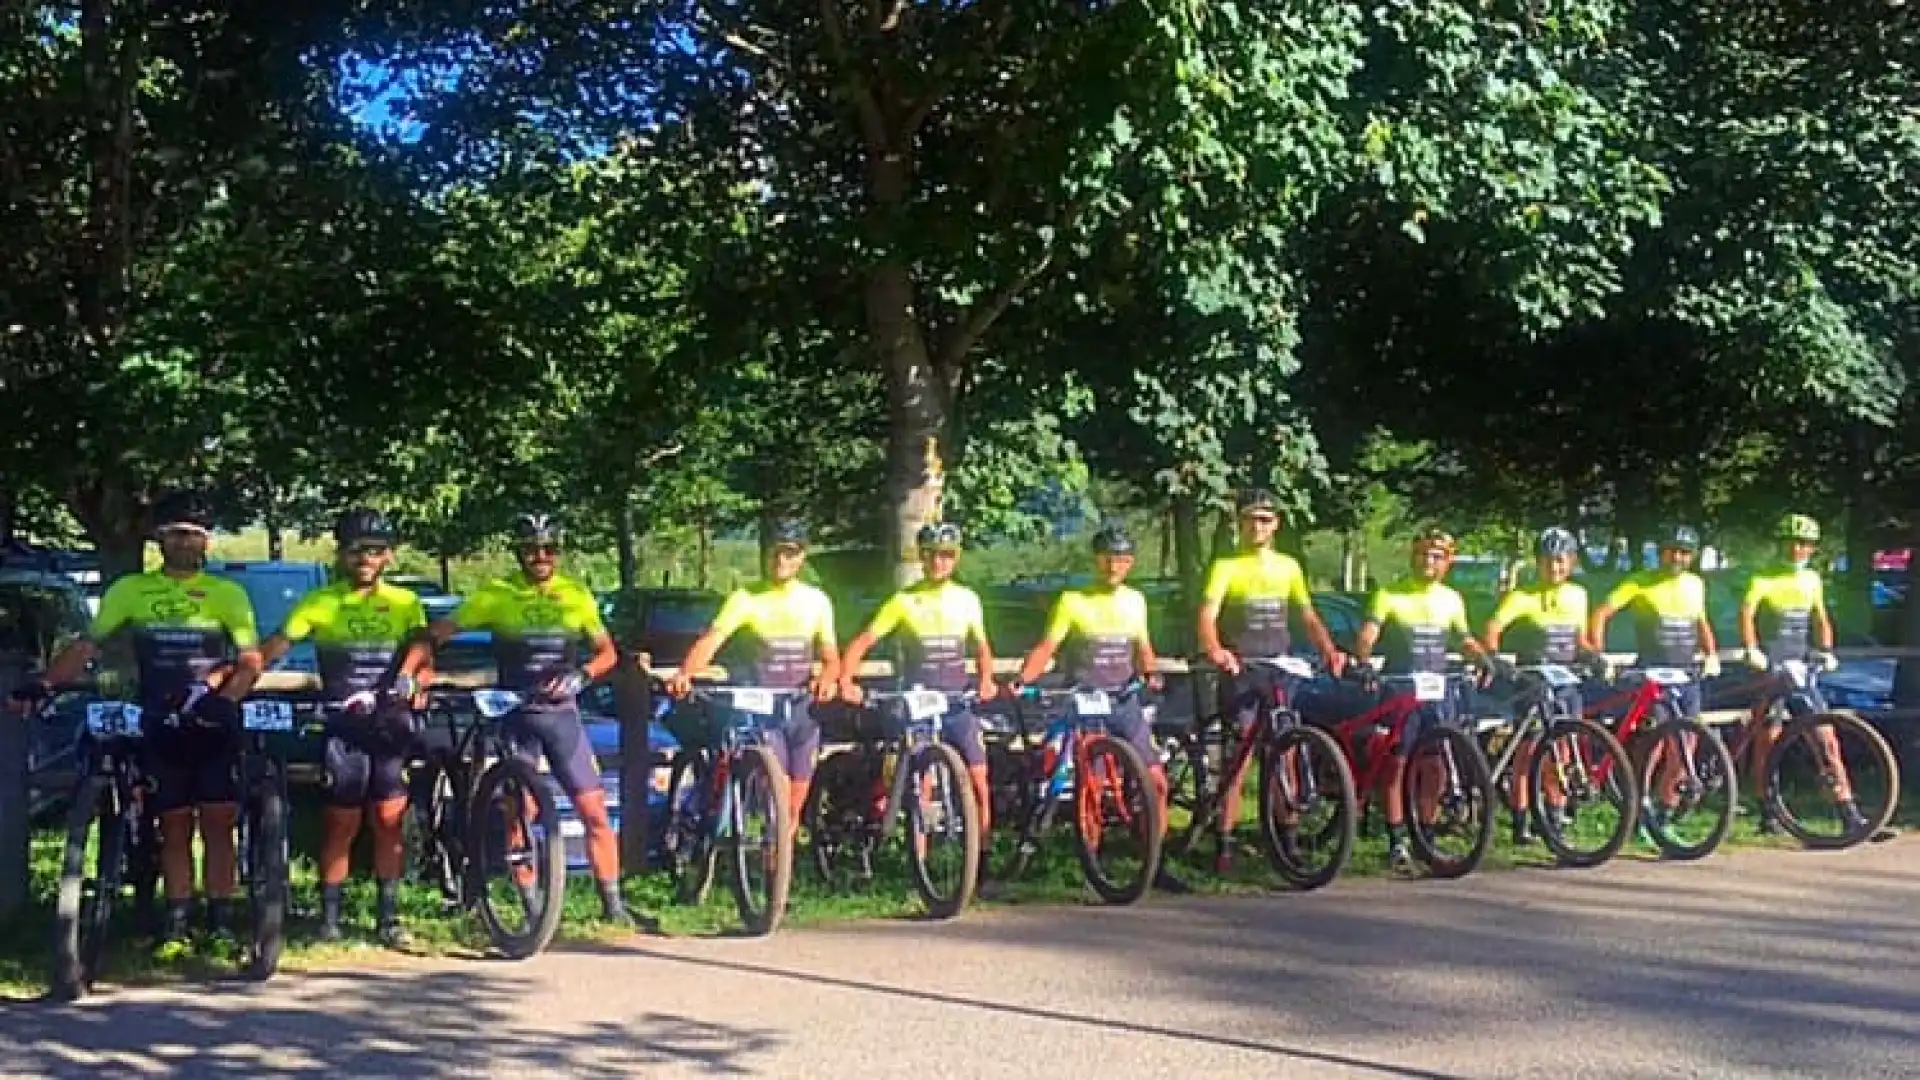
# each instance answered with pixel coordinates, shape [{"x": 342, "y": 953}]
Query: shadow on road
[{"x": 401, "y": 1024}]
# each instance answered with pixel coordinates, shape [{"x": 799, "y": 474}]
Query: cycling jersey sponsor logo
[
  {"x": 172, "y": 607},
  {"x": 367, "y": 625},
  {"x": 542, "y": 613}
]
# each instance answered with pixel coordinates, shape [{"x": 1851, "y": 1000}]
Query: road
[{"x": 1752, "y": 965}]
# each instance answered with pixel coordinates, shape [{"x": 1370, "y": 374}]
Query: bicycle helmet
[
  {"x": 1799, "y": 528},
  {"x": 537, "y": 527},
  {"x": 1247, "y": 500},
  {"x": 1112, "y": 540},
  {"x": 182, "y": 510},
  {"x": 1682, "y": 538},
  {"x": 362, "y": 524},
  {"x": 942, "y": 536},
  {"x": 1556, "y": 542},
  {"x": 1434, "y": 540},
  {"x": 787, "y": 532}
]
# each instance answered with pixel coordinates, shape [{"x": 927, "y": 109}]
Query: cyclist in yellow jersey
[
  {"x": 1784, "y": 617},
  {"x": 540, "y": 619},
  {"x": 1544, "y": 623},
  {"x": 788, "y": 625},
  {"x": 1102, "y": 634},
  {"x": 185, "y": 626},
  {"x": 1246, "y": 609},
  {"x": 360, "y": 627},
  {"x": 1413, "y": 621},
  {"x": 938, "y": 617}
]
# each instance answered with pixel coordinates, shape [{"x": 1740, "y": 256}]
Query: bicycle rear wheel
[
  {"x": 1111, "y": 789},
  {"x": 517, "y": 863},
  {"x": 436, "y": 827},
  {"x": 85, "y": 905},
  {"x": 1687, "y": 779},
  {"x": 1307, "y": 806},
  {"x": 759, "y": 843},
  {"x": 1580, "y": 763},
  {"x": 1190, "y": 788},
  {"x": 1448, "y": 775},
  {"x": 267, "y": 885},
  {"x": 839, "y": 816},
  {"x": 687, "y": 843},
  {"x": 1804, "y": 780},
  {"x": 943, "y": 830}
]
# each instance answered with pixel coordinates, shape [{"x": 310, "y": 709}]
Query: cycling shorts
[
  {"x": 796, "y": 742},
  {"x": 1449, "y": 711},
  {"x": 365, "y": 757},
  {"x": 1242, "y": 696},
  {"x": 1128, "y": 721},
  {"x": 962, "y": 731},
  {"x": 189, "y": 766},
  {"x": 559, "y": 734}
]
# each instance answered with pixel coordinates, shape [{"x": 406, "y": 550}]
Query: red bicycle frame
[{"x": 1382, "y": 727}]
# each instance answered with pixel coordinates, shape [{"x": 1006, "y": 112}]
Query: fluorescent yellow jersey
[
  {"x": 357, "y": 635},
  {"x": 1666, "y": 609},
  {"x": 1783, "y": 600},
  {"x": 1099, "y": 628},
  {"x": 785, "y": 625},
  {"x": 182, "y": 628},
  {"x": 537, "y": 632},
  {"x": 1542, "y": 623},
  {"x": 1257, "y": 592},
  {"x": 1416, "y": 618},
  {"x": 937, "y": 620}
]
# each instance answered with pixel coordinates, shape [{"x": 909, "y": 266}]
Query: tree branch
[
  {"x": 946, "y": 74},
  {"x": 873, "y": 123},
  {"x": 733, "y": 31}
]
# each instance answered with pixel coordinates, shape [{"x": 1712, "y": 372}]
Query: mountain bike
[
  {"x": 1103, "y": 777},
  {"x": 263, "y": 849},
  {"x": 1686, "y": 775},
  {"x": 1583, "y": 806},
  {"x": 903, "y": 771},
  {"x": 1307, "y": 802},
  {"x": 109, "y": 805},
  {"x": 1444, "y": 771},
  {"x": 1821, "y": 757},
  {"x": 731, "y": 793}
]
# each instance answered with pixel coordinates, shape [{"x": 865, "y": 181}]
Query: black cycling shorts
[
  {"x": 558, "y": 733},
  {"x": 365, "y": 757}
]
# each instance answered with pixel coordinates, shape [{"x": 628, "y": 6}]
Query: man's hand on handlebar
[
  {"x": 851, "y": 693},
  {"x": 1336, "y": 663},
  {"x": 679, "y": 685},
  {"x": 823, "y": 690},
  {"x": 1225, "y": 660},
  {"x": 1156, "y": 683},
  {"x": 988, "y": 688}
]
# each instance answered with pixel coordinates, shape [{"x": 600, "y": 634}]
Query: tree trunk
[
  {"x": 1187, "y": 553},
  {"x": 705, "y": 569},
  {"x": 276, "y": 535},
  {"x": 1225, "y": 538},
  {"x": 624, "y": 540},
  {"x": 446, "y": 572},
  {"x": 1167, "y": 568},
  {"x": 1347, "y": 562},
  {"x": 917, "y": 416}
]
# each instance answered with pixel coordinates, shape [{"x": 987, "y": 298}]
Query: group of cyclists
[{"x": 198, "y": 655}]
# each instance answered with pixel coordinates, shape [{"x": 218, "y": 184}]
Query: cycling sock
[
  {"x": 610, "y": 898},
  {"x": 179, "y": 913},
  {"x": 389, "y": 903},
  {"x": 330, "y": 905}
]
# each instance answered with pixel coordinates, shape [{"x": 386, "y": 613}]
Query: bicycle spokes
[{"x": 1830, "y": 781}]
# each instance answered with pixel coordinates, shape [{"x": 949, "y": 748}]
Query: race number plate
[
  {"x": 1092, "y": 703},
  {"x": 756, "y": 702},
  {"x": 1668, "y": 676},
  {"x": 1294, "y": 666},
  {"x": 926, "y": 704},
  {"x": 1557, "y": 677},
  {"x": 1795, "y": 671},
  {"x": 113, "y": 718},
  {"x": 1429, "y": 686},
  {"x": 266, "y": 716}
]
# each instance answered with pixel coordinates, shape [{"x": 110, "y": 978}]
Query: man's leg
[
  {"x": 570, "y": 756},
  {"x": 962, "y": 731},
  {"x": 387, "y": 792},
  {"x": 348, "y": 771},
  {"x": 1239, "y": 702},
  {"x": 217, "y": 791}
]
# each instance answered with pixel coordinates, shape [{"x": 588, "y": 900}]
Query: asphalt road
[{"x": 1753, "y": 965}]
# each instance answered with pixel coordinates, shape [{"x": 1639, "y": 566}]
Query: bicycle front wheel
[
  {"x": 1117, "y": 820},
  {"x": 85, "y": 906},
  {"x": 1687, "y": 776},
  {"x": 1586, "y": 801},
  {"x": 1307, "y": 806},
  {"x": 517, "y": 864},
  {"x": 839, "y": 816},
  {"x": 1449, "y": 801},
  {"x": 758, "y": 838},
  {"x": 1819, "y": 767},
  {"x": 267, "y": 883},
  {"x": 943, "y": 830}
]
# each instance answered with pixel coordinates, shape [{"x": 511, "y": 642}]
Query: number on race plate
[
  {"x": 113, "y": 718},
  {"x": 756, "y": 702},
  {"x": 1294, "y": 666},
  {"x": 266, "y": 716},
  {"x": 926, "y": 704},
  {"x": 1795, "y": 671},
  {"x": 1557, "y": 676},
  {"x": 1668, "y": 676},
  {"x": 1429, "y": 686},
  {"x": 1092, "y": 703}
]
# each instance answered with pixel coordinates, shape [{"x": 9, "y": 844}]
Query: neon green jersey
[
  {"x": 784, "y": 624},
  {"x": 537, "y": 631},
  {"x": 1783, "y": 600},
  {"x": 1542, "y": 623},
  {"x": 356, "y": 634},
  {"x": 937, "y": 620},
  {"x": 1666, "y": 608},
  {"x": 1416, "y": 618},
  {"x": 1257, "y": 591},
  {"x": 182, "y": 628},
  {"x": 1099, "y": 628}
]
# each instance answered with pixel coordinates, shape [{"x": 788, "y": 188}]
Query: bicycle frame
[
  {"x": 1063, "y": 739},
  {"x": 720, "y": 814},
  {"x": 1271, "y": 716},
  {"x": 917, "y": 731},
  {"x": 1383, "y": 727}
]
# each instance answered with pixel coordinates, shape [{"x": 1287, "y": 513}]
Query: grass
[{"x": 1053, "y": 879}]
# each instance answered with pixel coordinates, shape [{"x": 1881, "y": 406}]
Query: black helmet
[
  {"x": 786, "y": 531},
  {"x": 1683, "y": 538},
  {"x": 939, "y": 536},
  {"x": 182, "y": 509},
  {"x": 361, "y": 524},
  {"x": 537, "y": 528},
  {"x": 1255, "y": 498},
  {"x": 1112, "y": 540},
  {"x": 1556, "y": 542}
]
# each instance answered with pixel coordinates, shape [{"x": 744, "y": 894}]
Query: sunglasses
[
  {"x": 1263, "y": 517},
  {"x": 367, "y": 551},
  {"x": 533, "y": 550}
]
